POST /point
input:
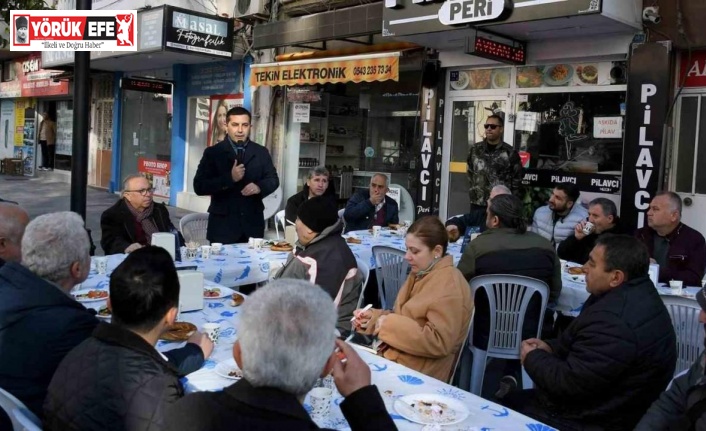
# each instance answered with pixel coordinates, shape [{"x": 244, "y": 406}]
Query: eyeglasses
[
  {"x": 143, "y": 192},
  {"x": 491, "y": 126}
]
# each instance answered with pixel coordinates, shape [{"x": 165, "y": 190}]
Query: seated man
[
  {"x": 683, "y": 405},
  {"x": 116, "y": 379},
  {"x": 455, "y": 226},
  {"x": 323, "y": 257},
  {"x": 614, "y": 359},
  {"x": 679, "y": 250},
  {"x": 13, "y": 220},
  {"x": 372, "y": 207},
  {"x": 317, "y": 184},
  {"x": 557, "y": 220},
  {"x": 278, "y": 374},
  {"x": 603, "y": 214},
  {"x": 130, "y": 223}
]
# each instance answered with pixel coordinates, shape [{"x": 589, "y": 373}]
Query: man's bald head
[{"x": 13, "y": 220}]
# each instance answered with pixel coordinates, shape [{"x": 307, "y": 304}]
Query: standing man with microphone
[{"x": 238, "y": 174}]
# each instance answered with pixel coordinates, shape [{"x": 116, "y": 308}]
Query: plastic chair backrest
[
  {"x": 27, "y": 420},
  {"x": 194, "y": 226},
  {"x": 508, "y": 298},
  {"x": 365, "y": 271},
  {"x": 407, "y": 210},
  {"x": 457, "y": 215},
  {"x": 689, "y": 331},
  {"x": 459, "y": 354},
  {"x": 10, "y": 404},
  {"x": 272, "y": 203},
  {"x": 279, "y": 219},
  {"x": 391, "y": 271}
]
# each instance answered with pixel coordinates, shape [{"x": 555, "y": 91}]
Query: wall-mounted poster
[
  {"x": 220, "y": 105},
  {"x": 7, "y": 128},
  {"x": 158, "y": 172},
  {"x": 26, "y": 133}
]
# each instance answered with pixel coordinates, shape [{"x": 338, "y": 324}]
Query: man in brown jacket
[{"x": 47, "y": 140}]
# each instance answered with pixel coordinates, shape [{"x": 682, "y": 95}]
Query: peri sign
[{"x": 454, "y": 12}]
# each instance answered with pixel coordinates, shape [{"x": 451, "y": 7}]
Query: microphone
[{"x": 240, "y": 151}]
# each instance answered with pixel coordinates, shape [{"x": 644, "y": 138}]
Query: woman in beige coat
[{"x": 430, "y": 318}]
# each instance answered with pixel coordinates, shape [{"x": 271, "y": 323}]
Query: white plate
[
  {"x": 225, "y": 292},
  {"x": 85, "y": 292},
  {"x": 98, "y": 315},
  {"x": 225, "y": 367},
  {"x": 462, "y": 81},
  {"x": 458, "y": 411}
]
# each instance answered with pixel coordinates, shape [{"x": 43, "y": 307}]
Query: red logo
[{"x": 125, "y": 34}]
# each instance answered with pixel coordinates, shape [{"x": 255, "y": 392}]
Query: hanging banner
[
  {"x": 360, "y": 68},
  {"x": 429, "y": 171},
  {"x": 647, "y": 103}
]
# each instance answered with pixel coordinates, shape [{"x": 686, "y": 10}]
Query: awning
[{"x": 354, "y": 68}]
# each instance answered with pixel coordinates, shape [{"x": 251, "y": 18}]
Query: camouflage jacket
[{"x": 487, "y": 169}]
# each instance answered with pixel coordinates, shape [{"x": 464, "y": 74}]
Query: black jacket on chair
[
  {"x": 114, "y": 380},
  {"x": 612, "y": 361},
  {"x": 244, "y": 407},
  {"x": 118, "y": 226},
  {"x": 232, "y": 216}
]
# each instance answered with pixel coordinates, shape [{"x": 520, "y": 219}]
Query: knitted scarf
[{"x": 145, "y": 219}]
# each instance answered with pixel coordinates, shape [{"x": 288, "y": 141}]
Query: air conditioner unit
[{"x": 250, "y": 9}]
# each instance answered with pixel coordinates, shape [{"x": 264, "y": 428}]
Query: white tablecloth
[
  {"x": 393, "y": 381},
  {"x": 235, "y": 266}
]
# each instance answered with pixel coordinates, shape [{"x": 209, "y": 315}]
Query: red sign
[
  {"x": 158, "y": 172},
  {"x": 694, "y": 68},
  {"x": 30, "y": 80}
]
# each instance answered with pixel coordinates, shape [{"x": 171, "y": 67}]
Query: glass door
[{"x": 464, "y": 120}]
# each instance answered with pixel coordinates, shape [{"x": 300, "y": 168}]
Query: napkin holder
[
  {"x": 165, "y": 240},
  {"x": 191, "y": 290},
  {"x": 654, "y": 273},
  {"x": 290, "y": 235}
]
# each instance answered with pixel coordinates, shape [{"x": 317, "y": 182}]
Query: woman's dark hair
[
  {"x": 508, "y": 209},
  {"x": 143, "y": 288},
  {"x": 431, "y": 231}
]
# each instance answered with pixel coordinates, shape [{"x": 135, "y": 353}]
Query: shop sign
[
  {"x": 647, "y": 101},
  {"x": 586, "y": 182},
  {"x": 158, "y": 172},
  {"x": 694, "y": 68},
  {"x": 608, "y": 127},
  {"x": 30, "y": 80},
  {"x": 408, "y": 17},
  {"x": 429, "y": 172},
  {"x": 362, "y": 69},
  {"x": 195, "y": 32}
]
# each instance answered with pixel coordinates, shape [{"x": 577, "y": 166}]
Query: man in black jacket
[
  {"x": 278, "y": 373},
  {"x": 116, "y": 379},
  {"x": 603, "y": 216},
  {"x": 371, "y": 207},
  {"x": 317, "y": 184},
  {"x": 238, "y": 174},
  {"x": 614, "y": 359},
  {"x": 131, "y": 221}
]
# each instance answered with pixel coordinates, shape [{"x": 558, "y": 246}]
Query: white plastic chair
[
  {"x": 391, "y": 271},
  {"x": 194, "y": 226},
  {"x": 407, "y": 208},
  {"x": 508, "y": 298},
  {"x": 365, "y": 270},
  {"x": 279, "y": 219},
  {"x": 14, "y": 408},
  {"x": 689, "y": 331}
]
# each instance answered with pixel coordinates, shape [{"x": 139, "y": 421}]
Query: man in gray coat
[{"x": 557, "y": 219}]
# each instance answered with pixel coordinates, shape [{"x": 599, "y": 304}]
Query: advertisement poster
[
  {"x": 25, "y": 133},
  {"x": 7, "y": 127},
  {"x": 219, "y": 107},
  {"x": 158, "y": 172},
  {"x": 64, "y": 127}
]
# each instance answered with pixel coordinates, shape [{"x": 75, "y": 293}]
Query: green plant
[
  {"x": 534, "y": 198},
  {"x": 8, "y": 5}
]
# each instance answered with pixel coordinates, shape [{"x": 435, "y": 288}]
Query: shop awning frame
[{"x": 372, "y": 67}]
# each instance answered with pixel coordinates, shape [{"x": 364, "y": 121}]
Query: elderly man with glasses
[
  {"x": 492, "y": 162},
  {"x": 130, "y": 223}
]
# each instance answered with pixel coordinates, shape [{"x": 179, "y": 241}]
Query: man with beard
[
  {"x": 557, "y": 220},
  {"x": 683, "y": 405},
  {"x": 130, "y": 223}
]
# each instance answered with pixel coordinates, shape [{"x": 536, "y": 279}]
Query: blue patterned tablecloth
[
  {"x": 235, "y": 266},
  {"x": 393, "y": 381}
]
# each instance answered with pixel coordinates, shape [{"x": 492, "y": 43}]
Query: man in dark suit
[
  {"x": 131, "y": 221},
  {"x": 277, "y": 374},
  {"x": 238, "y": 174},
  {"x": 372, "y": 207}
]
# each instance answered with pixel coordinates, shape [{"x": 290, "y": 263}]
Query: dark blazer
[
  {"x": 232, "y": 216},
  {"x": 244, "y": 407},
  {"x": 612, "y": 361},
  {"x": 114, "y": 380},
  {"x": 475, "y": 218},
  {"x": 39, "y": 325},
  {"x": 686, "y": 258},
  {"x": 360, "y": 212},
  {"x": 118, "y": 226},
  {"x": 575, "y": 250}
]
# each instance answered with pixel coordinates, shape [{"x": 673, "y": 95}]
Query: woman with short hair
[{"x": 429, "y": 322}]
